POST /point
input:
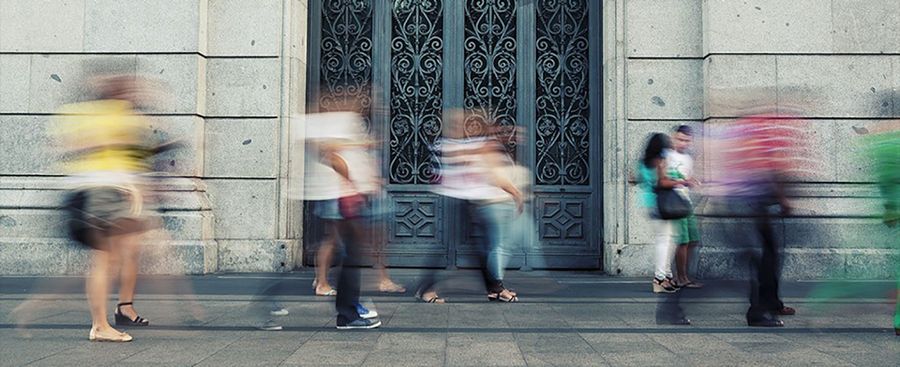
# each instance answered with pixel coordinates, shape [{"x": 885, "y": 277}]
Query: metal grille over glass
[
  {"x": 563, "y": 107},
  {"x": 415, "y": 99}
]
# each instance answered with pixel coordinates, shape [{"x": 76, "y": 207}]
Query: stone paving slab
[{"x": 572, "y": 325}]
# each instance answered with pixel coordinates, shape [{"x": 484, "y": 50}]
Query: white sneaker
[
  {"x": 365, "y": 312},
  {"x": 279, "y": 312},
  {"x": 270, "y": 326}
]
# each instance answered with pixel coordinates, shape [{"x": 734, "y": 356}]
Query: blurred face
[{"x": 682, "y": 142}]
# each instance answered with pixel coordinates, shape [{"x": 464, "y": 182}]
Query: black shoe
[
  {"x": 765, "y": 320},
  {"x": 786, "y": 311},
  {"x": 360, "y": 324}
]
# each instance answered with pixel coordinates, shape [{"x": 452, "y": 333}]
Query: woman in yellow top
[{"x": 107, "y": 152}]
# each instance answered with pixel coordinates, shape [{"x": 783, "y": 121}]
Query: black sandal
[
  {"x": 499, "y": 296},
  {"x": 434, "y": 299},
  {"x": 122, "y": 320}
]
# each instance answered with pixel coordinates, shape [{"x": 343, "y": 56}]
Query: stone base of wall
[
  {"x": 733, "y": 263},
  {"x": 52, "y": 256},
  {"x": 256, "y": 256}
]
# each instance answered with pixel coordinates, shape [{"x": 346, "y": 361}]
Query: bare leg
[
  {"x": 128, "y": 249},
  {"x": 323, "y": 261},
  {"x": 681, "y": 261},
  {"x": 97, "y": 288},
  {"x": 385, "y": 284}
]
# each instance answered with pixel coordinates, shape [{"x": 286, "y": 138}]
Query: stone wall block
[
  {"x": 15, "y": 73},
  {"x": 631, "y": 260},
  {"x": 868, "y": 263},
  {"x": 766, "y": 26},
  {"x": 664, "y": 89},
  {"x": 243, "y": 87},
  {"x": 848, "y": 155},
  {"x": 254, "y": 256},
  {"x": 33, "y": 256},
  {"x": 178, "y": 257},
  {"x": 55, "y": 80},
  {"x": 29, "y": 223},
  {"x": 812, "y": 264},
  {"x": 142, "y": 26},
  {"x": 649, "y": 22},
  {"x": 866, "y": 26},
  {"x": 28, "y": 144},
  {"x": 837, "y": 233},
  {"x": 242, "y": 148},
  {"x": 186, "y": 161},
  {"x": 736, "y": 81},
  {"x": 243, "y": 209},
  {"x": 181, "y": 77},
  {"x": 837, "y": 86},
  {"x": 245, "y": 28},
  {"x": 895, "y": 66},
  {"x": 41, "y": 25}
]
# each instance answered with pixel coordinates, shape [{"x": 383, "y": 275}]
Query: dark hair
[
  {"x": 684, "y": 129},
  {"x": 655, "y": 147}
]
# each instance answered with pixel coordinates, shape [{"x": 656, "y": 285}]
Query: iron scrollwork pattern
[
  {"x": 490, "y": 69},
  {"x": 562, "y": 74},
  {"x": 346, "y": 56},
  {"x": 416, "y": 89}
]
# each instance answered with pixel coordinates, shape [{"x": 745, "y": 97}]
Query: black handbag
[{"x": 672, "y": 204}]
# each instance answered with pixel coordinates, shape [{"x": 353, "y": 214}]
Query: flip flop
[
  {"x": 332, "y": 292},
  {"x": 391, "y": 288}
]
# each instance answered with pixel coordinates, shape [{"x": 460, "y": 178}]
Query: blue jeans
[{"x": 495, "y": 220}]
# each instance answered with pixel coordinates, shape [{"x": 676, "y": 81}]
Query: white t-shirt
[
  {"x": 320, "y": 181},
  {"x": 363, "y": 169},
  {"x": 464, "y": 174},
  {"x": 680, "y": 165}
]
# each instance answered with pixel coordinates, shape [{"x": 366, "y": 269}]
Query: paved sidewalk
[{"x": 564, "y": 319}]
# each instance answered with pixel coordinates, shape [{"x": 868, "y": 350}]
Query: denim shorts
[
  {"x": 376, "y": 208},
  {"x": 327, "y": 209}
]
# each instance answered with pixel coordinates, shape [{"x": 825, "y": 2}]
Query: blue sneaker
[{"x": 365, "y": 312}]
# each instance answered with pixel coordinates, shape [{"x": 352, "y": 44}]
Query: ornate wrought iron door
[{"x": 529, "y": 67}]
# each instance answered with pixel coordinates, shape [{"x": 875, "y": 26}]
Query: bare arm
[
  {"x": 664, "y": 181},
  {"x": 493, "y": 161}
]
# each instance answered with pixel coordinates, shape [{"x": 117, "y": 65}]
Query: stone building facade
[{"x": 238, "y": 70}]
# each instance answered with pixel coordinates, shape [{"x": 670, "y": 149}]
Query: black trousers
[
  {"x": 766, "y": 266},
  {"x": 351, "y": 234}
]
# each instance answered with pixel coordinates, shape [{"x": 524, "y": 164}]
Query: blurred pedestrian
[
  {"x": 332, "y": 139},
  {"x": 470, "y": 171},
  {"x": 758, "y": 153},
  {"x": 883, "y": 148},
  {"x": 107, "y": 147}
]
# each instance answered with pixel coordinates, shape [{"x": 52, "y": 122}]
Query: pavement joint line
[
  {"x": 218, "y": 350},
  {"x": 463, "y": 300},
  {"x": 49, "y": 355},
  {"x": 525, "y": 330}
]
